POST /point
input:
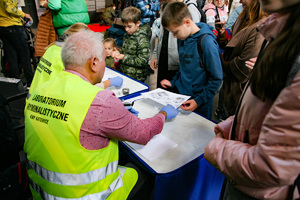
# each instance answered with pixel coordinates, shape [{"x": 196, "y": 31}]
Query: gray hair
[{"x": 80, "y": 47}]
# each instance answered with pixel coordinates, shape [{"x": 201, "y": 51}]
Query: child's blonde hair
[
  {"x": 111, "y": 40},
  {"x": 131, "y": 14},
  {"x": 76, "y": 28},
  {"x": 174, "y": 13}
]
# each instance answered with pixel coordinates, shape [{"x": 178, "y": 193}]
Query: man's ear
[{"x": 93, "y": 61}]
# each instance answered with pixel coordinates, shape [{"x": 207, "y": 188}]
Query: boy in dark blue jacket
[{"x": 201, "y": 82}]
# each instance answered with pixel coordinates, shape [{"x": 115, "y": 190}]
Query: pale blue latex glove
[
  {"x": 130, "y": 109},
  {"x": 171, "y": 111},
  {"x": 116, "y": 81}
]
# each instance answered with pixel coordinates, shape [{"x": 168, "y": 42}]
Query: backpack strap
[
  {"x": 203, "y": 16},
  {"x": 202, "y": 13},
  {"x": 200, "y": 51}
]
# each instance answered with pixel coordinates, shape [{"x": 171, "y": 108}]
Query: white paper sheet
[
  {"x": 165, "y": 97},
  {"x": 154, "y": 148}
]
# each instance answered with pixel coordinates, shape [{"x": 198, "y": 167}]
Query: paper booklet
[{"x": 165, "y": 97}]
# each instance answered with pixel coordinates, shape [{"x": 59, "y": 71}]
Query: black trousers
[{"x": 16, "y": 51}]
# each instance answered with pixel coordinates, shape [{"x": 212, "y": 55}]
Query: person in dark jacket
[{"x": 201, "y": 82}]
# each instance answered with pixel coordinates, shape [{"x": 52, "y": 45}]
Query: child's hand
[
  {"x": 113, "y": 66},
  {"x": 154, "y": 64},
  {"x": 117, "y": 55},
  {"x": 165, "y": 83},
  {"x": 189, "y": 105}
]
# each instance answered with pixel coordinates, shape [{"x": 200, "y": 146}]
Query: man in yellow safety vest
[{"x": 72, "y": 129}]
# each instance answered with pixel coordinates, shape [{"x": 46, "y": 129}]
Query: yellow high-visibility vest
[
  {"x": 58, "y": 166},
  {"x": 49, "y": 66}
]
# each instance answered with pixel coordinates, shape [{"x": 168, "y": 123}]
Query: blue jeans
[{"x": 16, "y": 51}]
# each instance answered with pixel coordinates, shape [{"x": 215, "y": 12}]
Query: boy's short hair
[
  {"x": 174, "y": 13},
  {"x": 131, "y": 14},
  {"x": 112, "y": 40}
]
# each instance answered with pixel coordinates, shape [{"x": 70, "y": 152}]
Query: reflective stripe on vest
[
  {"x": 116, "y": 184},
  {"x": 73, "y": 179}
]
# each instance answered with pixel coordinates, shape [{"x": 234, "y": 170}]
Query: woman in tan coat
[{"x": 244, "y": 45}]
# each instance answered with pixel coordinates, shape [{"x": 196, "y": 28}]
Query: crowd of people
[{"x": 248, "y": 54}]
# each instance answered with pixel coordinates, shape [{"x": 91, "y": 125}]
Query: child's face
[
  {"x": 132, "y": 27},
  {"x": 180, "y": 32},
  {"x": 108, "y": 48},
  {"x": 219, "y": 3}
]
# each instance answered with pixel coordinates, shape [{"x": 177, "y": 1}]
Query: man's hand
[
  {"x": 133, "y": 111},
  {"x": 189, "y": 105},
  {"x": 116, "y": 81},
  {"x": 165, "y": 83},
  {"x": 154, "y": 64},
  {"x": 170, "y": 111}
]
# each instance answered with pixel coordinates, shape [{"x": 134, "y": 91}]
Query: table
[
  {"x": 135, "y": 87},
  {"x": 180, "y": 172}
]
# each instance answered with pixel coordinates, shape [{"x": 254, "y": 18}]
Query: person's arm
[
  {"x": 114, "y": 81},
  {"x": 210, "y": 17},
  {"x": 237, "y": 66},
  {"x": 115, "y": 121},
  {"x": 154, "y": 5},
  {"x": 275, "y": 159},
  {"x": 213, "y": 67},
  {"x": 159, "y": 41},
  {"x": 140, "y": 59},
  {"x": 224, "y": 127},
  {"x": 140, "y": 4},
  {"x": 13, "y": 10},
  {"x": 175, "y": 78}
]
